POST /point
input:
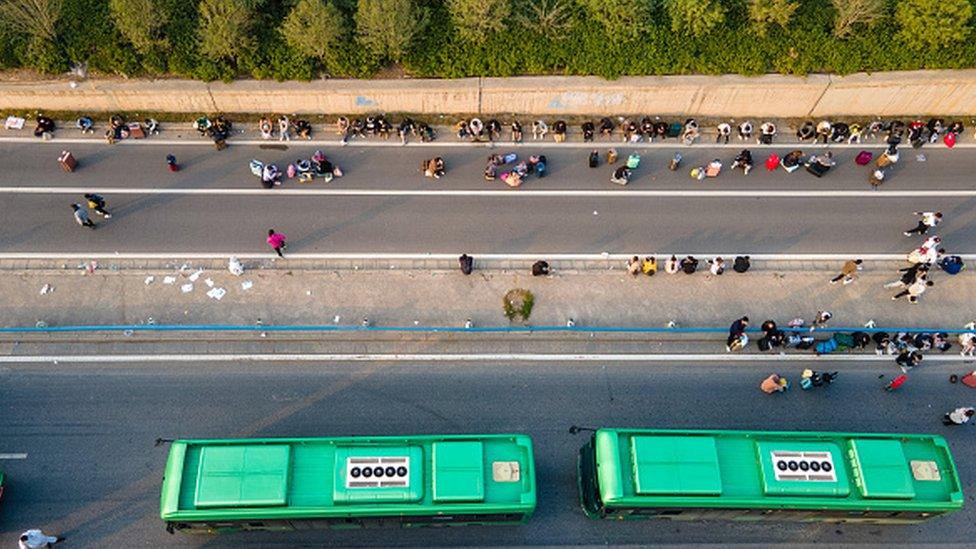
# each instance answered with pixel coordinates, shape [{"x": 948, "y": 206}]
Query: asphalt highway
[
  {"x": 92, "y": 472},
  {"x": 223, "y": 219}
]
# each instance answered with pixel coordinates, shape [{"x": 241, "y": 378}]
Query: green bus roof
[
  {"x": 293, "y": 478},
  {"x": 775, "y": 470}
]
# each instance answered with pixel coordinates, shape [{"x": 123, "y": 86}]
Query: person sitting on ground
[
  {"x": 671, "y": 266},
  {"x": 267, "y": 131},
  {"x": 588, "y": 131},
  {"x": 303, "y": 128},
  {"x": 516, "y": 131},
  {"x": 968, "y": 343},
  {"x": 691, "y": 132},
  {"x": 741, "y": 264},
  {"x": 621, "y": 175},
  {"x": 649, "y": 265},
  {"x": 85, "y": 124},
  {"x": 44, "y": 128},
  {"x": 717, "y": 266},
  {"x": 807, "y": 131},
  {"x": 559, "y": 131},
  {"x": 540, "y": 129},
  {"x": 540, "y": 268},
  {"x": 767, "y": 132},
  {"x": 689, "y": 265},
  {"x": 477, "y": 128},
  {"x": 792, "y": 160},
  {"x": 745, "y": 130},
  {"x": 606, "y": 127},
  {"x": 724, "y": 130},
  {"x": 634, "y": 266},
  {"x": 823, "y": 131},
  {"x": 744, "y": 161}
]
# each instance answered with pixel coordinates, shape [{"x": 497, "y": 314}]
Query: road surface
[
  {"x": 92, "y": 473},
  {"x": 384, "y": 205}
]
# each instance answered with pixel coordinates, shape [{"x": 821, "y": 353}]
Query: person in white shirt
[
  {"x": 671, "y": 265},
  {"x": 959, "y": 416},
  {"x": 717, "y": 266},
  {"x": 928, "y": 221},
  {"x": 915, "y": 290},
  {"x": 35, "y": 539}
]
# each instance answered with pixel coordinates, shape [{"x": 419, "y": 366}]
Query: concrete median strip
[{"x": 499, "y": 358}]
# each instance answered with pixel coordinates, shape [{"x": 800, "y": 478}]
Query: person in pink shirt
[{"x": 277, "y": 242}]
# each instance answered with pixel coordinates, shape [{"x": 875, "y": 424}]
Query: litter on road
[
  {"x": 186, "y": 288},
  {"x": 46, "y": 289},
  {"x": 169, "y": 280},
  {"x": 149, "y": 280},
  {"x": 217, "y": 293},
  {"x": 246, "y": 285}
]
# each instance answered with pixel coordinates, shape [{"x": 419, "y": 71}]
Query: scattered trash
[
  {"x": 186, "y": 288},
  {"x": 570, "y": 323},
  {"x": 196, "y": 275},
  {"x": 209, "y": 282},
  {"x": 308, "y": 292},
  {"x": 40, "y": 324},
  {"x": 672, "y": 324},
  {"x": 246, "y": 285},
  {"x": 235, "y": 267},
  {"x": 150, "y": 321},
  {"x": 217, "y": 293},
  {"x": 46, "y": 289},
  {"x": 468, "y": 324},
  {"x": 596, "y": 212},
  {"x": 336, "y": 319},
  {"x": 150, "y": 279},
  {"x": 128, "y": 333},
  {"x": 92, "y": 265},
  {"x": 169, "y": 279},
  {"x": 920, "y": 158},
  {"x": 365, "y": 322},
  {"x": 870, "y": 324},
  {"x": 416, "y": 323}
]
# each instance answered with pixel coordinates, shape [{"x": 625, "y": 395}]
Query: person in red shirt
[{"x": 277, "y": 242}]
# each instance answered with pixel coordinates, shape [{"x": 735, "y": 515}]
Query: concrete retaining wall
[{"x": 884, "y": 94}]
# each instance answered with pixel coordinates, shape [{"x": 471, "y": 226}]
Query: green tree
[
  {"x": 763, "y": 13},
  {"x": 551, "y": 18},
  {"x": 930, "y": 24},
  {"x": 695, "y": 17},
  {"x": 317, "y": 29},
  {"x": 390, "y": 27},
  {"x": 141, "y": 23},
  {"x": 621, "y": 19},
  {"x": 225, "y": 28},
  {"x": 36, "y": 19},
  {"x": 475, "y": 20},
  {"x": 850, "y": 14}
]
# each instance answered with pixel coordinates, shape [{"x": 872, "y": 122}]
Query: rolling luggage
[
  {"x": 863, "y": 158},
  {"x": 67, "y": 161},
  {"x": 136, "y": 131}
]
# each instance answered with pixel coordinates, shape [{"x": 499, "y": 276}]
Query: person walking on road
[
  {"x": 81, "y": 216},
  {"x": 97, "y": 203},
  {"x": 915, "y": 290},
  {"x": 911, "y": 274},
  {"x": 928, "y": 221},
  {"x": 959, "y": 416},
  {"x": 36, "y": 539},
  {"x": 277, "y": 242},
  {"x": 848, "y": 272}
]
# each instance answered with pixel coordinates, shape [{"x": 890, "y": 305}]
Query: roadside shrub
[{"x": 305, "y": 39}]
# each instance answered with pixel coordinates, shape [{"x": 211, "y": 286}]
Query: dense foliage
[{"x": 305, "y": 39}]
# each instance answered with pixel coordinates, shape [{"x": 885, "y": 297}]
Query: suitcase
[
  {"x": 863, "y": 158},
  {"x": 817, "y": 169},
  {"x": 67, "y": 161},
  {"x": 136, "y": 131}
]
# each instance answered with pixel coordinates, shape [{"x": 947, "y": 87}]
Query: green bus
[
  {"x": 315, "y": 483},
  {"x": 767, "y": 475}
]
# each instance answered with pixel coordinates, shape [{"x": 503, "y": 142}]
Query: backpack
[
  {"x": 467, "y": 264},
  {"x": 741, "y": 264}
]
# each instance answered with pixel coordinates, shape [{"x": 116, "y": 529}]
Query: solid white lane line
[
  {"x": 499, "y": 193},
  {"x": 395, "y": 144},
  {"x": 365, "y": 256},
  {"x": 13, "y": 456},
  {"x": 501, "y": 357}
]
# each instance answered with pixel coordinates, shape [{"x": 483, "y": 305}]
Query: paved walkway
[{"x": 280, "y": 296}]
